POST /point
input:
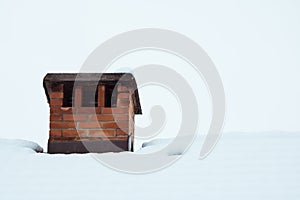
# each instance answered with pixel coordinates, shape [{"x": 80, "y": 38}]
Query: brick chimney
[{"x": 88, "y": 115}]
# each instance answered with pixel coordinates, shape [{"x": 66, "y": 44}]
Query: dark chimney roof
[{"x": 127, "y": 79}]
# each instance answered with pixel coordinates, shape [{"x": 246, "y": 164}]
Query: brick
[
  {"x": 64, "y": 139},
  {"x": 101, "y": 95},
  {"x": 76, "y": 117},
  {"x": 102, "y": 117},
  {"x": 123, "y": 95},
  {"x": 123, "y": 124},
  {"x": 123, "y": 138},
  {"x": 73, "y": 133},
  {"x": 110, "y": 125},
  {"x": 122, "y": 88},
  {"x": 55, "y": 117},
  {"x": 89, "y": 125},
  {"x": 101, "y": 133},
  {"x": 56, "y": 95},
  {"x": 89, "y": 110},
  {"x": 121, "y": 117},
  {"x": 116, "y": 138},
  {"x": 62, "y": 110},
  {"x": 122, "y": 103},
  {"x": 121, "y": 132},
  {"x": 62, "y": 125},
  {"x": 107, "y": 110},
  {"x": 55, "y": 133},
  {"x": 78, "y": 97},
  {"x": 56, "y": 102},
  {"x": 56, "y": 139}
]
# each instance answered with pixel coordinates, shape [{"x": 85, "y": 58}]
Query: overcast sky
[{"x": 255, "y": 46}]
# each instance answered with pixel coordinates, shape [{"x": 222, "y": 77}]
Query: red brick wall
[{"x": 92, "y": 123}]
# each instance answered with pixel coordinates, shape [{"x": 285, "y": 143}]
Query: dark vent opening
[
  {"x": 68, "y": 91},
  {"x": 89, "y": 96},
  {"x": 110, "y": 97}
]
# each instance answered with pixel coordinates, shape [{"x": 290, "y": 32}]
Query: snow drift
[{"x": 18, "y": 145}]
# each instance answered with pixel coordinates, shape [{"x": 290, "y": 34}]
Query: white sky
[{"x": 255, "y": 45}]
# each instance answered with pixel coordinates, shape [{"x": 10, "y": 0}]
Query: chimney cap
[{"x": 126, "y": 79}]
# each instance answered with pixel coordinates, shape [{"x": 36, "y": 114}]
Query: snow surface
[
  {"x": 19, "y": 145},
  {"x": 242, "y": 166}
]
